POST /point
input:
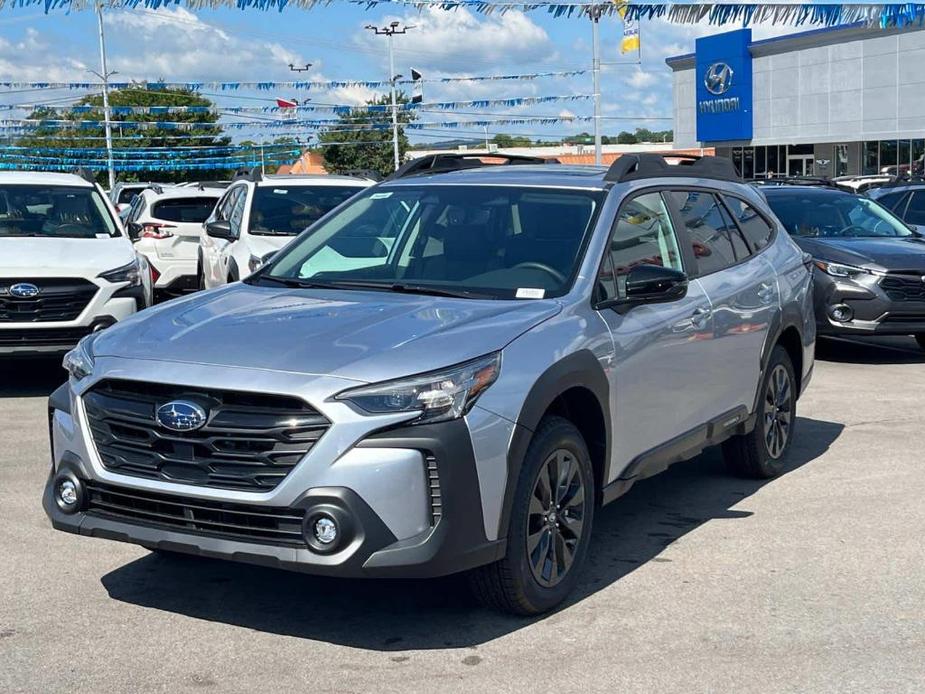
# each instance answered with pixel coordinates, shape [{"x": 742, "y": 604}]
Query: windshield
[
  {"x": 54, "y": 211},
  {"x": 288, "y": 210},
  {"x": 485, "y": 241},
  {"x": 834, "y": 215}
]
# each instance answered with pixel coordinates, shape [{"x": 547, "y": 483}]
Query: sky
[{"x": 232, "y": 45}]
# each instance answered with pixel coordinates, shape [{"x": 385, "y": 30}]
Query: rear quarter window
[{"x": 756, "y": 229}]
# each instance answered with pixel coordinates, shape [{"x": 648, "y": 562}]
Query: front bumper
[
  {"x": 374, "y": 542},
  {"x": 874, "y": 311}
]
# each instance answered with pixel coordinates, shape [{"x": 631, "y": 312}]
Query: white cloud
[{"x": 640, "y": 79}]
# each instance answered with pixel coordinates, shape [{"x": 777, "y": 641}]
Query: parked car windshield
[
  {"x": 54, "y": 211},
  {"x": 486, "y": 241},
  {"x": 831, "y": 214},
  {"x": 286, "y": 210}
]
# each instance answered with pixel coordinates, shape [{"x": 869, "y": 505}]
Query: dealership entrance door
[{"x": 800, "y": 165}]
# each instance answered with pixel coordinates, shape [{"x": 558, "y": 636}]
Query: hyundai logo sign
[
  {"x": 24, "y": 290},
  {"x": 718, "y": 79},
  {"x": 181, "y": 415}
]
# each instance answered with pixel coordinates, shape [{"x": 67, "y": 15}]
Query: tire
[
  {"x": 762, "y": 453},
  {"x": 920, "y": 338},
  {"x": 200, "y": 276},
  {"x": 523, "y": 583}
]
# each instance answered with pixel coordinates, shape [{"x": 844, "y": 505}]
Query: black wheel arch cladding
[{"x": 579, "y": 370}]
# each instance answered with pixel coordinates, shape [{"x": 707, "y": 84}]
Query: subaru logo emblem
[
  {"x": 24, "y": 290},
  {"x": 181, "y": 415},
  {"x": 718, "y": 79}
]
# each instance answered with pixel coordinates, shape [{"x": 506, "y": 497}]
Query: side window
[
  {"x": 893, "y": 201},
  {"x": 226, "y": 204},
  {"x": 716, "y": 241},
  {"x": 757, "y": 230},
  {"x": 915, "y": 213},
  {"x": 236, "y": 214},
  {"x": 642, "y": 235}
]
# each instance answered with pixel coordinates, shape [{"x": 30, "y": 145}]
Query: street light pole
[
  {"x": 595, "y": 13},
  {"x": 389, "y": 32},
  {"x": 107, "y": 113}
]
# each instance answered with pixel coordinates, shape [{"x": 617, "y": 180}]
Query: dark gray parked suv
[{"x": 449, "y": 372}]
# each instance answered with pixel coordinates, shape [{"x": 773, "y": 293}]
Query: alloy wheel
[
  {"x": 555, "y": 518},
  {"x": 778, "y": 411}
]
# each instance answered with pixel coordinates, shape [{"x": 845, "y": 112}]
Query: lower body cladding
[
  {"x": 401, "y": 503},
  {"x": 871, "y": 305}
]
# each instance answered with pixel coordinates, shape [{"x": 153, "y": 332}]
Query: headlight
[
  {"x": 130, "y": 273},
  {"x": 439, "y": 396},
  {"x": 840, "y": 270},
  {"x": 79, "y": 361}
]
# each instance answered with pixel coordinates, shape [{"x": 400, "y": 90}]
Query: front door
[
  {"x": 800, "y": 165},
  {"x": 660, "y": 368}
]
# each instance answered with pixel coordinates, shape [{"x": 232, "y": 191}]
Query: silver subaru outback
[{"x": 452, "y": 371}]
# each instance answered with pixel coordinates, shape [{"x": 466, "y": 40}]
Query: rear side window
[
  {"x": 756, "y": 229},
  {"x": 715, "y": 238},
  {"x": 915, "y": 213},
  {"x": 193, "y": 210},
  {"x": 127, "y": 195}
]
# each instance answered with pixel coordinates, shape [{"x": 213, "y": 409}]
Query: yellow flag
[{"x": 630, "y": 41}]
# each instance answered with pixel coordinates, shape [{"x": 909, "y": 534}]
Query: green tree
[
  {"x": 349, "y": 145},
  {"x": 505, "y": 141},
  {"x": 625, "y": 138},
  {"x": 203, "y": 127}
]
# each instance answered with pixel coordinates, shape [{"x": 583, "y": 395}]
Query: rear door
[
  {"x": 741, "y": 286},
  {"x": 661, "y": 367}
]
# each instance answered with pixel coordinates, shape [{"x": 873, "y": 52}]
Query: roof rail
[
  {"x": 444, "y": 162},
  {"x": 85, "y": 174},
  {"x": 363, "y": 173},
  {"x": 632, "y": 167},
  {"x": 253, "y": 175}
]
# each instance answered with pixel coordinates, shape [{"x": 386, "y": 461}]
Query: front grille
[
  {"x": 250, "y": 441},
  {"x": 59, "y": 299},
  {"x": 904, "y": 287},
  {"x": 41, "y": 337},
  {"x": 433, "y": 488},
  {"x": 235, "y": 521},
  {"x": 911, "y": 318}
]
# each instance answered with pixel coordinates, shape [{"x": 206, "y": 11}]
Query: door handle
[
  {"x": 766, "y": 292},
  {"x": 701, "y": 317}
]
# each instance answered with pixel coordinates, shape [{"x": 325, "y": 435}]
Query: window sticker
[
  {"x": 380, "y": 196},
  {"x": 280, "y": 191},
  {"x": 530, "y": 293}
]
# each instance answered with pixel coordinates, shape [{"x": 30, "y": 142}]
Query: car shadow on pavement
[
  {"x": 399, "y": 615},
  {"x": 870, "y": 350},
  {"x": 27, "y": 378}
]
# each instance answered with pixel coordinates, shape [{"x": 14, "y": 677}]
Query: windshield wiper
[{"x": 375, "y": 286}]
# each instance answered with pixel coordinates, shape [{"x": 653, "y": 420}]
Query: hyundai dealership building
[{"x": 829, "y": 102}]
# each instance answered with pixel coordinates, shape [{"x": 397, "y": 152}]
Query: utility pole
[
  {"x": 107, "y": 113},
  {"x": 595, "y": 13},
  {"x": 389, "y": 32}
]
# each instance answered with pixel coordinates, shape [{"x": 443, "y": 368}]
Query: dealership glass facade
[
  {"x": 893, "y": 156},
  {"x": 774, "y": 160}
]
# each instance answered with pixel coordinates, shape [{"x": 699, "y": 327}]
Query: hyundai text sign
[{"x": 724, "y": 87}]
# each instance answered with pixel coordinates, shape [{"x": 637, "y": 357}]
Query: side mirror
[
  {"x": 649, "y": 284},
  {"x": 220, "y": 229},
  {"x": 653, "y": 284}
]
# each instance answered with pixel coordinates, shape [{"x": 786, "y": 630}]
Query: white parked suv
[
  {"x": 66, "y": 267},
  {"x": 166, "y": 225},
  {"x": 258, "y": 215}
]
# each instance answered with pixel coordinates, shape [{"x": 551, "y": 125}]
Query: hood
[
  {"x": 360, "y": 335},
  {"x": 896, "y": 254},
  {"x": 261, "y": 245},
  {"x": 56, "y": 257}
]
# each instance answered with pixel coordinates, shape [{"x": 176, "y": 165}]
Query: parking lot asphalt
[{"x": 698, "y": 582}]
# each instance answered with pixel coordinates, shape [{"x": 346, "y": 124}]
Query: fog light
[
  {"x": 68, "y": 494},
  {"x": 325, "y": 530},
  {"x": 841, "y": 313}
]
